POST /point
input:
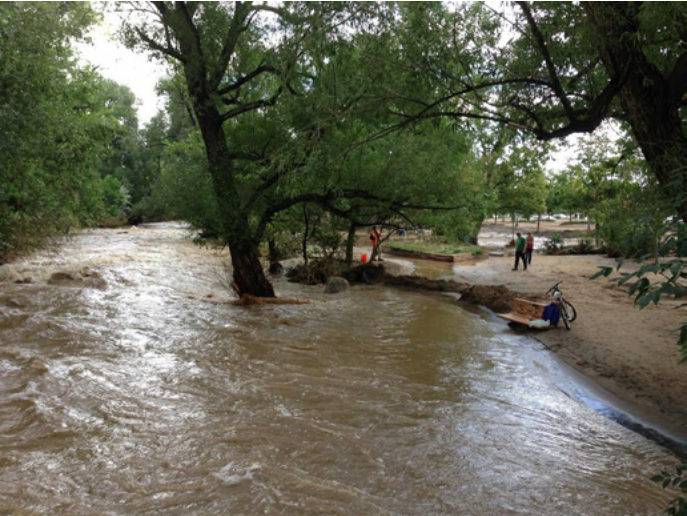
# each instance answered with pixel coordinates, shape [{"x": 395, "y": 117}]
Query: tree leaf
[{"x": 603, "y": 271}]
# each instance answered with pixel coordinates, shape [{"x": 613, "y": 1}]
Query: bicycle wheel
[
  {"x": 565, "y": 317},
  {"x": 566, "y": 321},
  {"x": 572, "y": 313}
]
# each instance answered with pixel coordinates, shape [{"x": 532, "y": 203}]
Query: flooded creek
[{"x": 147, "y": 394}]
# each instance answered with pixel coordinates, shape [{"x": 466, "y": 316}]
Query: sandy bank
[{"x": 632, "y": 353}]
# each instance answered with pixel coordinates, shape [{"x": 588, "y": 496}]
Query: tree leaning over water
[
  {"x": 237, "y": 58},
  {"x": 282, "y": 97}
]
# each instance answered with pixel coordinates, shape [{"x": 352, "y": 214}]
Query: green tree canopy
[
  {"x": 557, "y": 68},
  {"x": 56, "y": 123},
  {"x": 285, "y": 98}
]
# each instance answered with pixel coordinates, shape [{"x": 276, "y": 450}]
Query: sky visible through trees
[{"x": 134, "y": 70}]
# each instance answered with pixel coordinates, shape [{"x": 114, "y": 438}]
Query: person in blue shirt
[{"x": 552, "y": 313}]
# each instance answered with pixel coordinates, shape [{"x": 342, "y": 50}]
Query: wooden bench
[{"x": 524, "y": 311}]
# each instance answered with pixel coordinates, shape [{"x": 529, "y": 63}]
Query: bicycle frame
[{"x": 568, "y": 312}]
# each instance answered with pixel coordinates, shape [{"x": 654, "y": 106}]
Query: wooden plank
[
  {"x": 513, "y": 317},
  {"x": 529, "y": 309},
  {"x": 525, "y": 311},
  {"x": 519, "y": 319}
]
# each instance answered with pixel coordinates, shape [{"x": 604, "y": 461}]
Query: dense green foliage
[
  {"x": 302, "y": 121},
  {"x": 57, "y": 122},
  {"x": 567, "y": 67},
  {"x": 610, "y": 184},
  {"x": 402, "y": 114}
]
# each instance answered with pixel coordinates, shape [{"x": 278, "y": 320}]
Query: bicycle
[{"x": 568, "y": 312}]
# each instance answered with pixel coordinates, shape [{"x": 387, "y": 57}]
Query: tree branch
[
  {"x": 539, "y": 38},
  {"x": 241, "y": 12},
  {"x": 326, "y": 201},
  {"x": 181, "y": 7},
  {"x": 246, "y": 78},
  {"x": 678, "y": 78},
  {"x": 315, "y": 135},
  {"x": 167, "y": 50},
  {"x": 251, "y": 106}
]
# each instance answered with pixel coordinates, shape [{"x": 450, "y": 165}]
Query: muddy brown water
[{"x": 146, "y": 396}]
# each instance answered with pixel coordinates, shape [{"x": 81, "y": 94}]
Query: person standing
[
  {"x": 520, "y": 244},
  {"x": 376, "y": 237},
  {"x": 529, "y": 249}
]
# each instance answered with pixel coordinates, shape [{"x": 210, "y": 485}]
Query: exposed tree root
[{"x": 247, "y": 300}]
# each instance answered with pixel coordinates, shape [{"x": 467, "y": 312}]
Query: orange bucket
[{"x": 363, "y": 258}]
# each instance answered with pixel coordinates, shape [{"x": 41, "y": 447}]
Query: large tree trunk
[
  {"x": 203, "y": 73},
  {"x": 249, "y": 276},
  {"x": 651, "y": 101},
  {"x": 304, "y": 240},
  {"x": 350, "y": 243}
]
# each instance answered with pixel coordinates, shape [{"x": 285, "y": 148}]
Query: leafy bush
[
  {"x": 185, "y": 188},
  {"x": 583, "y": 246},
  {"x": 115, "y": 197},
  {"x": 633, "y": 224},
  {"x": 553, "y": 244},
  {"x": 316, "y": 271},
  {"x": 677, "y": 506}
]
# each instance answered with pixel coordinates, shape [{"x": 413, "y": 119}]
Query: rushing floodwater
[{"x": 147, "y": 396}]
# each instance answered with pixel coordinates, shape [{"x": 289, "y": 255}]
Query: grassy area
[
  {"x": 436, "y": 247},
  {"x": 577, "y": 223}
]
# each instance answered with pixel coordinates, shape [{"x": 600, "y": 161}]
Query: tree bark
[
  {"x": 650, "y": 101},
  {"x": 203, "y": 73},
  {"x": 249, "y": 278},
  {"x": 350, "y": 243},
  {"x": 249, "y": 275},
  {"x": 306, "y": 228}
]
